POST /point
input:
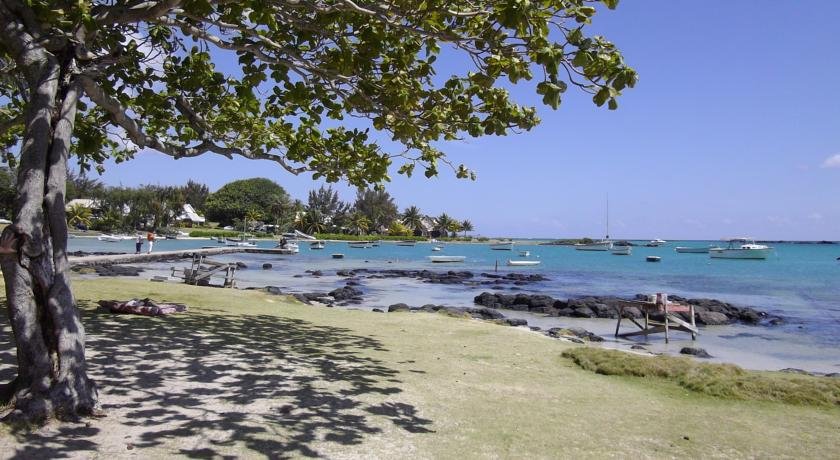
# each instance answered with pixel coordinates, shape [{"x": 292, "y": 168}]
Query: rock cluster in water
[
  {"x": 447, "y": 277},
  {"x": 707, "y": 312}
]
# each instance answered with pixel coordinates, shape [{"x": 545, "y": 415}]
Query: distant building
[{"x": 189, "y": 216}]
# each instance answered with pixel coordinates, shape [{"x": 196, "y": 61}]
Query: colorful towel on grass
[{"x": 145, "y": 307}]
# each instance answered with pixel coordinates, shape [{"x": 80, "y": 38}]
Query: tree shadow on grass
[{"x": 208, "y": 382}]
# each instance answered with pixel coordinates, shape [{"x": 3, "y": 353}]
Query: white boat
[
  {"x": 360, "y": 244},
  {"x": 655, "y": 243},
  {"x": 692, "y": 250},
  {"x": 109, "y": 238},
  {"x": 522, "y": 263},
  {"x": 406, "y": 243},
  {"x": 741, "y": 248},
  {"x": 298, "y": 235},
  {"x": 242, "y": 244},
  {"x": 603, "y": 245},
  {"x": 506, "y": 246},
  {"x": 622, "y": 250},
  {"x": 316, "y": 245},
  {"x": 437, "y": 248},
  {"x": 524, "y": 253},
  {"x": 446, "y": 259},
  {"x": 289, "y": 248}
]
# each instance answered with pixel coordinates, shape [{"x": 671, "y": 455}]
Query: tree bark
[{"x": 52, "y": 376}]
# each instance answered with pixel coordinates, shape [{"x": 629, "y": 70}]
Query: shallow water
[{"x": 799, "y": 282}]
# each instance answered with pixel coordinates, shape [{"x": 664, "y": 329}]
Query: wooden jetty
[
  {"x": 162, "y": 256},
  {"x": 203, "y": 269},
  {"x": 662, "y": 308}
]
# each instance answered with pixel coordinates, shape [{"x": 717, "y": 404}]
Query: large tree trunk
[{"x": 52, "y": 376}]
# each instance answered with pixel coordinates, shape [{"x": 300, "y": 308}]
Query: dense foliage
[{"x": 235, "y": 200}]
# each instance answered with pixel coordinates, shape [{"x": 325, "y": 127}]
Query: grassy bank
[{"x": 244, "y": 373}]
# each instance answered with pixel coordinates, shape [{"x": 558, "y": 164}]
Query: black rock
[
  {"x": 241, "y": 265},
  {"x": 516, "y": 322},
  {"x": 378, "y": 310},
  {"x": 638, "y": 347},
  {"x": 695, "y": 351},
  {"x": 346, "y": 293},
  {"x": 266, "y": 266},
  {"x": 398, "y": 307}
]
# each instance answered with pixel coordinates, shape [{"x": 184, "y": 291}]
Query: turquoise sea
[{"x": 800, "y": 282}]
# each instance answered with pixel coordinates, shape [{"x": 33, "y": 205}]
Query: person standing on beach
[
  {"x": 151, "y": 238},
  {"x": 138, "y": 245}
]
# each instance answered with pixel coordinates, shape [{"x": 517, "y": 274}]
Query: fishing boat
[
  {"x": 360, "y": 244},
  {"x": 653, "y": 259},
  {"x": 338, "y": 256},
  {"x": 741, "y": 248},
  {"x": 504, "y": 246},
  {"x": 692, "y": 250},
  {"x": 406, "y": 243},
  {"x": 522, "y": 263},
  {"x": 109, "y": 238},
  {"x": 604, "y": 245},
  {"x": 316, "y": 245},
  {"x": 447, "y": 259},
  {"x": 524, "y": 253},
  {"x": 621, "y": 250},
  {"x": 655, "y": 243}
]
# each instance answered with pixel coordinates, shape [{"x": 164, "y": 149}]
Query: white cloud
[{"x": 832, "y": 161}]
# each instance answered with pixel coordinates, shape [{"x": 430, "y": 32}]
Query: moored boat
[
  {"x": 337, "y": 256},
  {"x": 522, "y": 263},
  {"x": 603, "y": 245},
  {"x": 621, "y": 250},
  {"x": 653, "y": 259},
  {"x": 655, "y": 243},
  {"x": 741, "y": 248},
  {"x": 437, "y": 248},
  {"x": 316, "y": 245},
  {"x": 524, "y": 253},
  {"x": 241, "y": 244},
  {"x": 360, "y": 244},
  {"x": 446, "y": 259},
  {"x": 692, "y": 250},
  {"x": 109, "y": 238}
]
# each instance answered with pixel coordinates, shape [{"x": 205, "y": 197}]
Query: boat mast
[{"x": 608, "y": 216}]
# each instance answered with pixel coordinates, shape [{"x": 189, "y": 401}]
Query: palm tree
[
  {"x": 313, "y": 222},
  {"x": 413, "y": 219},
  {"x": 466, "y": 226},
  {"x": 78, "y": 215},
  {"x": 443, "y": 223},
  {"x": 252, "y": 215},
  {"x": 454, "y": 228},
  {"x": 358, "y": 223}
]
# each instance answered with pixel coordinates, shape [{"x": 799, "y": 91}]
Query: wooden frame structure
[
  {"x": 202, "y": 269},
  {"x": 670, "y": 319}
]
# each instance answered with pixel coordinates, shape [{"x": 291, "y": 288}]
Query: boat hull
[
  {"x": 447, "y": 259},
  {"x": 621, "y": 251},
  {"x": 754, "y": 254},
  {"x": 600, "y": 246},
  {"x": 687, "y": 250},
  {"x": 502, "y": 247},
  {"x": 522, "y": 263}
]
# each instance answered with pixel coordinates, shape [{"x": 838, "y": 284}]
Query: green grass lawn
[{"x": 248, "y": 374}]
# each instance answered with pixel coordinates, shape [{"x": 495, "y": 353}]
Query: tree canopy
[
  {"x": 150, "y": 74},
  {"x": 247, "y": 197}
]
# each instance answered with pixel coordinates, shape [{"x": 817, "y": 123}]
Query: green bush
[
  {"x": 213, "y": 233},
  {"x": 720, "y": 380}
]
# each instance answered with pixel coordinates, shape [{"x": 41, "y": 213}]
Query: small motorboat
[
  {"x": 655, "y": 243},
  {"x": 741, "y": 248},
  {"x": 621, "y": 250},
  {"x": 437, "y": 248},
  {"x": 447, "y": 259},
  {"x": 241, "y": 244},
  {"x": 653, "y": 259},
  {"x": 316, "y": 245},
  {"x": 109, "y": 238},
  {"x": 524, "y": 253},
  {"x": 692, "y": 250},
  {"x": 522, "y": 263},
  {"x": 360, "y": 244},
  {"x": 287, "y": 248},
  {"x": 338, "y": 256},
  {"x": 504, "y": 246}
]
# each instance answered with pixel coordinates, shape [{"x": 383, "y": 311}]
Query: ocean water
[{"x": 800, "y": 282}]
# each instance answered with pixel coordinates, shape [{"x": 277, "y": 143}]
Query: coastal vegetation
[
  {"x": 98, "y": 80},
  {"x": 719, "y": 380}
]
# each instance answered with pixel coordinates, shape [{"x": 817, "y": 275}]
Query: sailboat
[{"x": 604, "y": 245}]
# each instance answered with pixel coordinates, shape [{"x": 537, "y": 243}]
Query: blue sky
[{"x": 732, "y": 130}]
